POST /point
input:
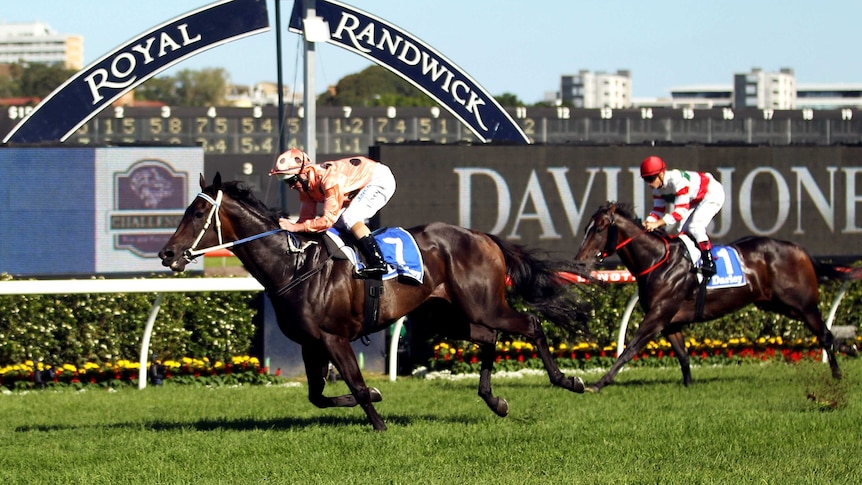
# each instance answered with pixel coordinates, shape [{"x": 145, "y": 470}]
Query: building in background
[
  {"x": 755, "y": 89},
  {"x": 37, "y": 42},
  {"x": 588, "y": 89},
  {"x": 828, "y": 96},
  {"x": 765, "y": 90}
]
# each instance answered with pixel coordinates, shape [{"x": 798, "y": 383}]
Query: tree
[
  {"x": 206, "y": 87},
  {"x": 33, "y": 79},
  {"x": 508, "y": 100},
  {"x": 374, "y": 86}
]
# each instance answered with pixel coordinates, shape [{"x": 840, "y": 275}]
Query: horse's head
[
  {"x": 200, "y": 227},
  {"x": 600, "y": 236}
]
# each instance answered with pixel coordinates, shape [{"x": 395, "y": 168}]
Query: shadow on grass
[{"x": 250, "y": 424}]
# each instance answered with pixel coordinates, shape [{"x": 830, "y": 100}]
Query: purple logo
[{"x": 149, "y": 201}]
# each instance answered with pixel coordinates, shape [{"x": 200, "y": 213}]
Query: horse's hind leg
[
  {"x": 574, "y": 384},
  {"x": 678, "y": 345},
  {"x": 814, "y": 321},
  {"x": 529, "y": 326},
  {"x": 487, "y": 354},
  {"x": 316, "y": 360}
]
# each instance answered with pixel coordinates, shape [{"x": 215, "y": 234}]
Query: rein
[
  {"x": 608, "y": 244},
  {"x": 293, "y": 245},
  {"x": 193, "y": 253}
]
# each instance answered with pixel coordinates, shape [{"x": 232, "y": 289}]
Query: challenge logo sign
[
  {"x": 419, "y": 64},
  {"x": 118, "y": 72},
  {"x": 149, "y": 201}
]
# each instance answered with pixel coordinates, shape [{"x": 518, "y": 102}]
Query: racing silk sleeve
[
  {"x": 684, "y": 190},
  {"x": 335, "y": 184}
]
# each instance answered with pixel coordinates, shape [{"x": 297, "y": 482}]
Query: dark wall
[{"x": 543, "y": 195}]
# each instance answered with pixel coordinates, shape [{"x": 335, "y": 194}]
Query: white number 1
[{"x": 723, "y": 254}]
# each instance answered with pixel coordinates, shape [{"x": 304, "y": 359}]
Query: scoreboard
[{"x": 351, "y": 130}]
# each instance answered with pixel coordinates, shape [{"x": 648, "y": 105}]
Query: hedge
[
  {"x": 106, "y": 327},
  {"x": 102, "y": 328}
]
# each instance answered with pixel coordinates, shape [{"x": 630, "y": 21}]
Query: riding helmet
[{"x": 652, "y": 165}]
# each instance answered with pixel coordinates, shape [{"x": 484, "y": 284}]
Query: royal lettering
[{"x": 123, "y": 66}]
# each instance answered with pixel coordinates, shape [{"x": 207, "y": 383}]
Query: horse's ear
[
  {"x": 203, "y": 182},
  {"x": 217, "y": 181}
]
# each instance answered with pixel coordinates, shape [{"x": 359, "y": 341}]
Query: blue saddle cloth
[
  {"x": 728, "y": 268},
  {"x": 399, "y": 250}
]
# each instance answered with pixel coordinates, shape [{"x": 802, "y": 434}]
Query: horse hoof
[
  {"x": 593, "y": 389},
  {"x": 577, "y": 385},
  {"x": 502, "y": 408},
  {"x": 375, "y": 394}
]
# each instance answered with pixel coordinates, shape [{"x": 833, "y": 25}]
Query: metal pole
[
  {"x": 310, "y": 103},
  {"x": 282, "y": 189},
  {"x": 145, "y": 342}
]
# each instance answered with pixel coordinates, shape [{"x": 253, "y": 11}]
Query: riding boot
[
  {"x": 707, "y": 265},
  {"x": 375, "y": 266}
]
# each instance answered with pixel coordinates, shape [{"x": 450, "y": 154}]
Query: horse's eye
[{"x": 199, "y": 214}]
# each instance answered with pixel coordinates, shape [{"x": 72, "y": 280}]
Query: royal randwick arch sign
[
  {"x": 416, "y": 62},
  {"x": 96, "y": 86},
  {"x": 104, "y": 81}
]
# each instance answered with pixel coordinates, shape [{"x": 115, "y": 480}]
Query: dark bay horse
[
  {"x": 781, "y": 278},
  {"x": 319, "y": 304}
]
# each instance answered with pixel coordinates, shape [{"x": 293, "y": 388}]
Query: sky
[{"x": 521, "y": 47}]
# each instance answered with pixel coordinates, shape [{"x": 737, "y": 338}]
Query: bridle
[
  {"x": 191, "y": 253},
  {"x": 612, "y": 245}
]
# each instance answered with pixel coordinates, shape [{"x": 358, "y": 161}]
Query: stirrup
[{"x": 371, "y": 272}]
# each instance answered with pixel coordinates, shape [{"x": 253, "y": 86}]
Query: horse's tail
[
  {"x": 828, "y": 271},
  {"x": 537, "y": 281}
]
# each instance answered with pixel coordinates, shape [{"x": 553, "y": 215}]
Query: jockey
[
  {"x": 351, "y": 190},
  {"x": 696, "y": 197}
]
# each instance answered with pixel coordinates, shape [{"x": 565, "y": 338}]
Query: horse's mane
[
  {"x": 241, "y": 192},
  {"x": 624, "y": 209}
]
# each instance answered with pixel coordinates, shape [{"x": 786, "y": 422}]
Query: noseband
[{"x": 216, "y": 205}]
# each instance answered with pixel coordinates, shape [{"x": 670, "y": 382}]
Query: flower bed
[
  {"x": 457, "y": 357},
  {"x": 239, "y": 370}
]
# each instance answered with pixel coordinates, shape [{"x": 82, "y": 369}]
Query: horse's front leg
[
  {"x": 678, "y": 345},
  {"x": 645, "y": 331},
  {"x": 316, "y": 360},
  {"x": 344, "y": 359}
]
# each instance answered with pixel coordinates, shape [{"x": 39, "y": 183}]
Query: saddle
[
  {"x": 728, "y": 265},
  {"x": 399, "y": 250}
]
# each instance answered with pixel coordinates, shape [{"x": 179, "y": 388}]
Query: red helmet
[
  {"x": 652, "y": 166},
  {"x": 291, "y": 162}
]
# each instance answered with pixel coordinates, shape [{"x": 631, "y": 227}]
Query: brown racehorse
[
  {"x": 781, "y": 278},
  {"x": 319, "y": 303}
]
